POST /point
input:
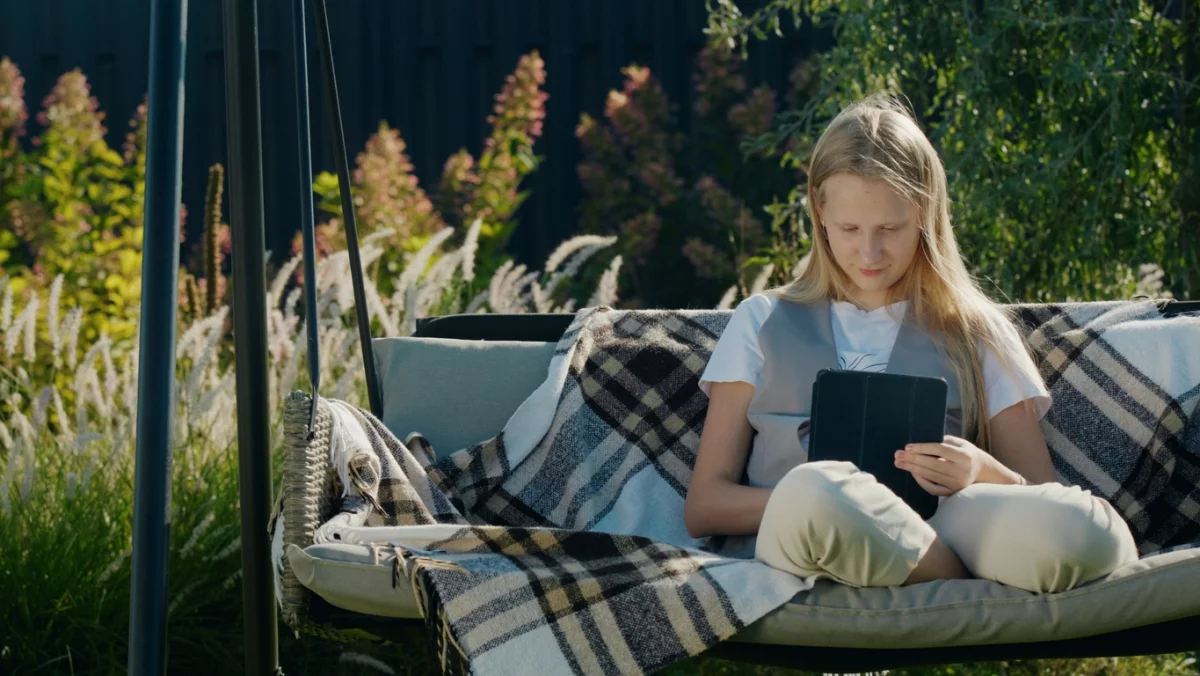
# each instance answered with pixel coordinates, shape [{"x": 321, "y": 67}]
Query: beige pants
[{"x": 829, "y": 519}]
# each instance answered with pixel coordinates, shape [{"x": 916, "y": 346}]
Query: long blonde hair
[{"x": 878, "y": 138}]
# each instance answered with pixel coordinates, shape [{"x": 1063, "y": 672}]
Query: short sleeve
[
  {"x": 1004, "y": 389},
  {"x": 737, "y": 355}
]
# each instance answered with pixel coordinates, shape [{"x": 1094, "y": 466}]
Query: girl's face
[{"x": 871, "y": 232}]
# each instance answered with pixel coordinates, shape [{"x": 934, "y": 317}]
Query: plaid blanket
[
  {"x": 571, "y": 545},
  {"x": 563, "y": 538},
  {"x": 1124, "y": 423}
]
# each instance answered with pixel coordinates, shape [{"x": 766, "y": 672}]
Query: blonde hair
[{"x": 878, "y": 138}]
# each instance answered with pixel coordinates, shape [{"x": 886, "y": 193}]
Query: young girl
[{"x": 886, "y": 289}]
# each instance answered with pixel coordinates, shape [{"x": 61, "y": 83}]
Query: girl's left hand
[{"x": 946, "y": 468}]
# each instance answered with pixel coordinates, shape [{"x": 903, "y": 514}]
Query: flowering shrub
[
  {"x": 12, "y": 127},
  {"x": 387, "y": 194},
  {"x": 72, "y": 206},
  {"x": 73, "y": 209},
  {"x": 689, "y": 212}
]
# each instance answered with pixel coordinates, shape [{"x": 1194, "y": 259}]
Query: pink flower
[
  {"x": 705, "y": 258},
  {"x": 520, "y": 107},
  {"x": 729, "y": 213},
  {"x": 754, "y": 117},
  {"x": 72, "y": 113},
  {"x": 135, "y": 141},
  {"x": 459, "y": 184},
  {"x": 12, "y": 100},
  {"x": 488, "y": 188},
  {"x": 388, "y": 192},
  {"x": 803, "y": 78},
  {"x": 639, "y": 235},
  {"x": 717, "y": 79},
  {"x": 640, "y": 113},
  {"x": 661, "y": 180}
]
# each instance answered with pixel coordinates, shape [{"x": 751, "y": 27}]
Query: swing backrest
[
  {"x": 456, "y": 392},
  {"x": 459, "y": 378}
]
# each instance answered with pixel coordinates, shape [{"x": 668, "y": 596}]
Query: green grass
[{"x": 65, "y": 573}]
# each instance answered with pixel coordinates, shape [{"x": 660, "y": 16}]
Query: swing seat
[{"x": 1149, "y": 606}]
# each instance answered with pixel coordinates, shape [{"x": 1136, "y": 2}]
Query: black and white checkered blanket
[
  {"x": 1124, "y": 424},
  {"x": 561, "y": 542}
]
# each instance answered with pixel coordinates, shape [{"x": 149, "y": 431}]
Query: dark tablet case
[{"x": 865, "y": 417}]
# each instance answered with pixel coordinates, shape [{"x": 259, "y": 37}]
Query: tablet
[{"x": 865, "y": 417}]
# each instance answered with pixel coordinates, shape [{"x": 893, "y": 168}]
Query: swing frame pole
[
  {"x": 246, "y": 219},
  {"x": 156, "y": 342}
]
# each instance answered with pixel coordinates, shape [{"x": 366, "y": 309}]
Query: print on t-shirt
[{"x": 862, "y": 362}]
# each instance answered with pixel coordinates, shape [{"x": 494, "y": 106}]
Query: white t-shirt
[{"x": 864, "y": 341}]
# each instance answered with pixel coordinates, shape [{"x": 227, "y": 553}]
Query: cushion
[
  {"x": 419, "y": 375},
  {"x": 1157, "y": 588}
]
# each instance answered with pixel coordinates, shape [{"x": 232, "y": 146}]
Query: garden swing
[
  {"x": 1152, "y": 606},
  {"x": 1131, "y": 355}
]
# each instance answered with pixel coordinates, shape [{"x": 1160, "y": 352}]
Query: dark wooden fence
[{"x": 427, "y": 67}]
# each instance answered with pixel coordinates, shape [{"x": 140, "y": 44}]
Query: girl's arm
[
  {"x": 1018, "y": 443},
  {"x": 717, "y": 503}
]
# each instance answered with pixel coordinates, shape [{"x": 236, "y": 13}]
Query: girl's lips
[{"x": 870, "y": 273}]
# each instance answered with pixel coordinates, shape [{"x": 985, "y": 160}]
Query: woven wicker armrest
[{"x": 307, "y": 497}]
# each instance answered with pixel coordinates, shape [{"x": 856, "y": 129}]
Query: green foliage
[
  {"x": 688, "y": 211},
  {"x": 1059, "y": 123},
  {"x": 73, "y": 206}
]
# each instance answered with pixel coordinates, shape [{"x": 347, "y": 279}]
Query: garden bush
[
  {"x": 71, "y": 205},
  {"x": 1070, "y": 129},
  {"x": 487, "y": 189},
  {"x": 690, "y": 211}
]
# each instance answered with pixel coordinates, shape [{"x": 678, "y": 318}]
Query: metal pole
[
  {"x": 156, "y": 377},
  {"x": 334, "y": 110},
  {"x": 304, "y": 167},
  {"x": 250, "y": 332}
]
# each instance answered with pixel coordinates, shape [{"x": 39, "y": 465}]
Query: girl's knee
[
  {"x": 812, "y": 490},
  {"x": 1045, "y": 538},
  {"x": 1088, "y": 541},
  {"x": 834, "y": 518}
]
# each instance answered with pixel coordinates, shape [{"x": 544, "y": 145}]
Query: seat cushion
[
  {"x": 418, "y": 376},
  {"x": 1157, "y": 588}
]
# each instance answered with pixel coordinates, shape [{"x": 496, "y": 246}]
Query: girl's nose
[{"x": 872, "y": 250}]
